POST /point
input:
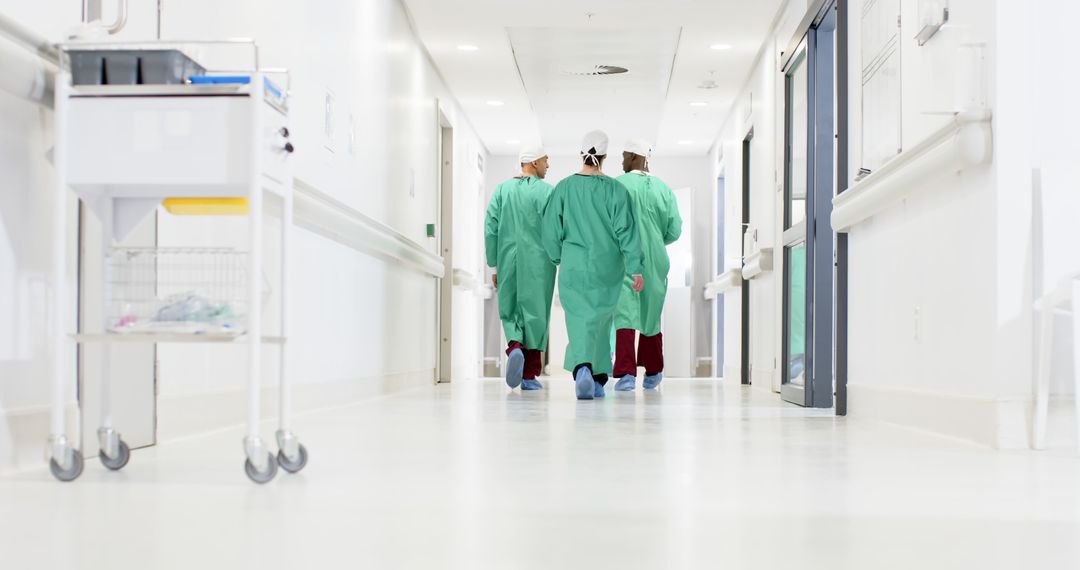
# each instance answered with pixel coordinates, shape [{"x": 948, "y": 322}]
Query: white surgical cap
[
  {"x": 640, "y": 147},
  {"x": 597, "y": 142},
  {"x": 531, "y": 153}
]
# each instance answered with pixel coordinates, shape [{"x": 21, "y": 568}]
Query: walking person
[
  {"x": 660, "y": 225},
  {"x": 524, "y": 276},
  {"x": 590, "y": 232}
]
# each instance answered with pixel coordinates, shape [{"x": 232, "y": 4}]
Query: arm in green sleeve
[
  {"x": 491, "y": 229},
  {"x": 674, "y": 219},
  {"x": 553, "y": 231},
  {"x": 626, "y": 232}
]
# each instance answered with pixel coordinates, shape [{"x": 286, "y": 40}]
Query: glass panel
[
  {"x": 797, "y": 132},
  {"x": 795, "y": 317}
]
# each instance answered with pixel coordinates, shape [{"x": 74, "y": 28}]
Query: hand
[
  {"x": 495, "y": 280},
  {"x": 639, "y": 283}
]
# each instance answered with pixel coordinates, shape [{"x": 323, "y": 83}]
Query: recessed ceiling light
[
  {"x": 720, "y": 47},
  {"x": 495, "y": 103},
  {"x": 467, "y": 47},
  {"x": 513, "y": 141},
  {"x": 699, "y": 104},
  {"x": 686, "y": 143}
]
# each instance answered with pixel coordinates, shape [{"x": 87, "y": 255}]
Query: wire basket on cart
[{"x": 177, "y": 290}]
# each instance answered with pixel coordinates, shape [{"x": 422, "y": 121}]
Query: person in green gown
[
  {"x": 590, "y": 232},
  {"x": 659, "y": 222},
  {"x": 524, "y": 276}
]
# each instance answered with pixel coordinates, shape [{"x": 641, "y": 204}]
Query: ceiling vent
[{"x": 597, "y": 70}]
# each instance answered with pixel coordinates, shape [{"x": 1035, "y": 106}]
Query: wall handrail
[
  {"x": 29, "y": 63},
  {"x": 321, "y": 214},
  {"x": 464, "y": 279},
  {"x": 729, "y": 280},
  {"x": 29, "y": 39},
  {"x": 964, "y": 142}
]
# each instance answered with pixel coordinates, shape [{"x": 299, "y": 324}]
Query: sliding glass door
[
  {"x": 808, "y": 241},
  {"x": 797, "y": 122}
]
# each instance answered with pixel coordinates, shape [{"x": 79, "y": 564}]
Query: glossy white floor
[{"x": 700, "y": 475}]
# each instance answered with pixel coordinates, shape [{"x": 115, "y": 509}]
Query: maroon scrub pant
[
  {"x": 534, "y": 362},
  {"x": 650, "y": 353}
]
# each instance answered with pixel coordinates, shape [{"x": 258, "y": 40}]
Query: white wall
[
  {"x": 1044, "y": 92},
  {"x": 696, "y": 174},
  {"x": 939, "y": 299},
  {"x": 361, "y": 323},
  {"x": 758, "y": 107},
  {"x": 1037, "y": 128},
  {"x": 940, "y": 284},
  {"x": 358, "y": 317}
]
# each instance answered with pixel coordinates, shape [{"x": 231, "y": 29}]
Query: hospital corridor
[{"x": 425, "y": 284}]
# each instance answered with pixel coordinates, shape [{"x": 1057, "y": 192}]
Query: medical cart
[{"x": 198, "y": 142}]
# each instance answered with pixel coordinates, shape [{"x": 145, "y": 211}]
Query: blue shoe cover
[
  {"x": 531, "y": 384},
  {"x": 585, "y": 384},
  {"x": 599, "y": 392},
  {"x": 515, "y": 367},
  {"x": 653, "y": 381},
  {"x": 626, "y": 384}
]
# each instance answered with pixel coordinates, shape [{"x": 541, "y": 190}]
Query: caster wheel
[
  {"x": 71, "y": 473},
  {"x": 263, "y": 476},
  {"x": 290, "y": 466},
  {"x": 121, "y": 459}
]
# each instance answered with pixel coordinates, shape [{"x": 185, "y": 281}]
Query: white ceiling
[{"x": 526, "y": 49}]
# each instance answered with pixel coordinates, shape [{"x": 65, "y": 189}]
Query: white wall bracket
[
  {"x": 758, "y": 263},
  {"x": 730, "y": 280}
]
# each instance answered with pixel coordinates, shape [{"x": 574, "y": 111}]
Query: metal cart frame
[{"x": 65, "y": 459}]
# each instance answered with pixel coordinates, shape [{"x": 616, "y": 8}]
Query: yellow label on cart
[{"x": 206, "y": 206}]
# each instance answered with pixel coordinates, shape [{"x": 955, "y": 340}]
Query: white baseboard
[
  {"x": 1001, "y": 423},
  {"x": 24, "y": 436},
  {"x": 185, "y": 416},
  {"x": 24, "y": 433},
  {"x": 764, "y": 379}
]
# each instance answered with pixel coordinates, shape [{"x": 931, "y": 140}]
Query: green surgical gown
[
  {"x": 512, "y": 233},
  {"x": 660, "y": 224},
  {"x": 590, "y": 231}
]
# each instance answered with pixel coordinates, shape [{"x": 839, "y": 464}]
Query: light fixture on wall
[
  {"x": 699, "y": 104},
  {"x": 495, "y": 103},
  {"x": 685, "y": 143},
  {"x": 720, "y": 47},
  {"x": 513, "y": 141},
  {"x": 468, "y": 47}
]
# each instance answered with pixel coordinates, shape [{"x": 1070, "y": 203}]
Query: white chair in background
[{"x": 1065, "y": 299}]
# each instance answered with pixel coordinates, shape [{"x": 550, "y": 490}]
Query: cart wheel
[
  {"x": 293, "y": 467},
  {"x": 264, "y": 476},
  {"x": 70, "y": 474},
  {"x": 120, "y": 460}
]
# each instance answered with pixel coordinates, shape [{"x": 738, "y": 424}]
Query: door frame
[
  {"x": 842, "y": 142},
  {"x": 719, "y": 242},
  {"x": 444, "y": 239},
  {"x": 745, "y": 363}
]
